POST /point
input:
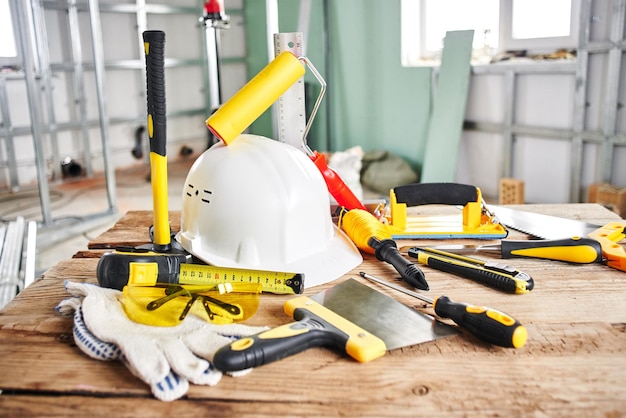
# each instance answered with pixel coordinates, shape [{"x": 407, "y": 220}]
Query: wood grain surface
[{"x": 572, "y": 365}]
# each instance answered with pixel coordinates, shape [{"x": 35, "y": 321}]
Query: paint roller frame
[{"x": 227, "y": 122}]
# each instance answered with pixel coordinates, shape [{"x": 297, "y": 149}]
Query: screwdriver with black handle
[{"x": 488, "y": 324}]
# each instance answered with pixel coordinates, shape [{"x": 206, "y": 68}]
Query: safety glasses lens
[{"x": 169, "y": 304}]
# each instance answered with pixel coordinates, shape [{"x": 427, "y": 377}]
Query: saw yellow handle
[
  {"x": 574, "y": 250},
  {"x": 234, "y": 116},
  {"x": 609, "y": 237}
]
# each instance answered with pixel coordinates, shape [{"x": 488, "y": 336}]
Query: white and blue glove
[{"x": 166, "y": 358}]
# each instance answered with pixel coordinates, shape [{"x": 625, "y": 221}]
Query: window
[
  {"x": 499, "y": 25},
  {"x": 553, "y": 28},
  {"x": 8, "y": 47}
]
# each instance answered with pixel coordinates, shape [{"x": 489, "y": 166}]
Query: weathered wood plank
[{"x": 572, "y": 364}]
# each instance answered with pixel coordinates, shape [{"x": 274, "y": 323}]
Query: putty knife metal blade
[
  {"x": 391, "y": 321},
  {"x": 350, "y": 317}
]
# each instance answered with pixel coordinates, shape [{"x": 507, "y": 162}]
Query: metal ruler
[{"x": 291, "y": 107}]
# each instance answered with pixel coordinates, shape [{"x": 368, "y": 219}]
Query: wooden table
[{"x": 573, "y": 364}]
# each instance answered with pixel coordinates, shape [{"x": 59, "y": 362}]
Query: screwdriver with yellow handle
[
  {"x": 488, "y": 324},
  {"x": 574, "y": 250}
]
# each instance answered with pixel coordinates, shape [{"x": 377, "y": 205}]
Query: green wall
[{"x": 373, "y": 101}]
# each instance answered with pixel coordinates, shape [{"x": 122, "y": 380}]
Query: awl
[
  {"x": 350, "y": 317},
  {"x": 573, "y": 250}
]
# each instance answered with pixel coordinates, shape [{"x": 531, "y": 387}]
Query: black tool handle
[
  {"x": 154, "y": 44},
  {"x": 277, "y": 343},
  {"x": 113, "y": 270},
  {"x": 489, "y": 325},
  {"x": 492, "y": 279},
  {"x": 387, "y": 250},
  {"x": 498, "y": 276},
  {"x": 436, "y": 193}
]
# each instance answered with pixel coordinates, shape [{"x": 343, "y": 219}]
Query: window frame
[
  {"x": 414, "y": 53},
  {"x": 536, "y": 45},
  {"x": 17, "y": 59}
]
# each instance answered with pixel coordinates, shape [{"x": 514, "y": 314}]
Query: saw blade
[{"x": 542, "y": 226}]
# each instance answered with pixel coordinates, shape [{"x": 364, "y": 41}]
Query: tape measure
[
  {"x": 291, "y": 107},
  {"x": 117, "y": 269},
  {"x": 270, "y": 281}
]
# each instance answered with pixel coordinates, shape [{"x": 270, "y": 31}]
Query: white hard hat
[{"x": 262, "y": 204}]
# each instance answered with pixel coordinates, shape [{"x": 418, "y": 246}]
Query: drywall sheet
[{"x": 446, "y": 120}]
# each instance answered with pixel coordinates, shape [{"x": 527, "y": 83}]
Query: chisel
[
  {"x": 489, "y": 325},
  {"x": 574, "y": 250}
]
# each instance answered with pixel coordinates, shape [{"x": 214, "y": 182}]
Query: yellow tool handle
[
  {"x": 609, "y": 237},
  {"x": 154, "y": 45},
  {"x": 316, "y": 326},
  {"x": 574, "y": 250},
  {"x": 500, "y": 277},
  {"x": 489, "y": 325}
]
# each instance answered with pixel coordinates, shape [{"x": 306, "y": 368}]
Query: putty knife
[{"x": 350, "y": 317}]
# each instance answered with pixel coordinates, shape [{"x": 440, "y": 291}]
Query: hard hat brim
[{"x": 339, "y": 258}]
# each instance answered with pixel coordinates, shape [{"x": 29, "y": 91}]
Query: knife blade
[{"x": 573, "y": 250}]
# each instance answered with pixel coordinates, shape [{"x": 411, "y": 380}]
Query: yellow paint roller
[{"x": 234, "y": 116}]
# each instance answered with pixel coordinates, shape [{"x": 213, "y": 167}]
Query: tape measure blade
[
  {"x": 291, "y": 105},
  {"x": 270, "y": 281}
]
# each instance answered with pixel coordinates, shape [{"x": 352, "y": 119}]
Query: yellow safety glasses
[{"x": 168, "y": 304}]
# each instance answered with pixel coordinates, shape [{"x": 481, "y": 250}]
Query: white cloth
[{"x": 166, "y": 358}]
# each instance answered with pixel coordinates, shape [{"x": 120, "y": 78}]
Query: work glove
[{"x": 166, "y": 358}]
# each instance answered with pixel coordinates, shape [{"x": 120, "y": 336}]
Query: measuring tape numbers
[
  {"x": 291, "y": 107},
  {"x": 117, "y": 269},
  {"x": 270, "y": 281}
]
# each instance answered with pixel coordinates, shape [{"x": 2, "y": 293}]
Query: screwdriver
[
  {"x": 574, "y": 250},
  {"x": 487, "y": 324},
  {"x": 372, "y": 236}
]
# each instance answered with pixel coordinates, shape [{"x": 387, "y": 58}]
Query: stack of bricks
[
  {"x": 511, "y": 192},
  {"x": 609, "y": 196}
]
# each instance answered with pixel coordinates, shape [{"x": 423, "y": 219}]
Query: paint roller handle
[{"x": 337, "y": 188}]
